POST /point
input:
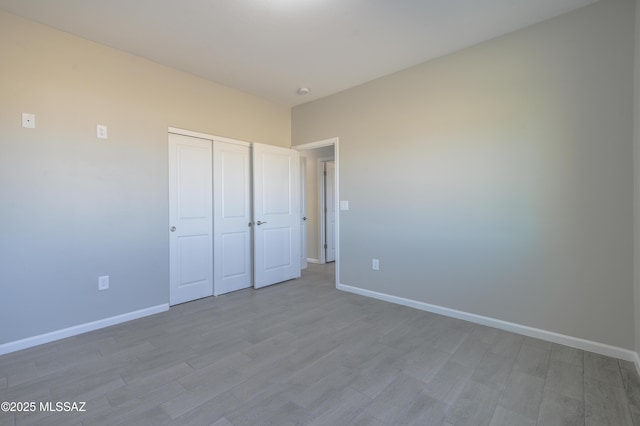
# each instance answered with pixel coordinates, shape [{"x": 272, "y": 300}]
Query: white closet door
[
  {"x": 276, "y": 215},
  {"x": 190, "y": 219},
  {"x": 232, "y": 217}
]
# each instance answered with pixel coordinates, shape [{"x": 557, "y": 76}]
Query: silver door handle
[
  {"x": 249, "y": 224},
  {"x": 172, "y": 229},
  {"x": 304, "y": 218},
  {"x": 260, "y": 223}
]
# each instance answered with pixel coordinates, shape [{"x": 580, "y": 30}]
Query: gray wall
[
  {"x": 497, "y": 180},
  {"x": 73, "y": 207},
  {"x": 636, "y": 156}
]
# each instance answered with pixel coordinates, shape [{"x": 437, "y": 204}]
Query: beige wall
[
  {"x": 497, "y": 180},
  {"x": 74, "y": 207}
]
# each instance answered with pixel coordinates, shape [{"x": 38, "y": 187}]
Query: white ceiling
[{"x": 270, "y": 48}]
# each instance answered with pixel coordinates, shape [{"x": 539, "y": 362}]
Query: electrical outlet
[
  {"x": 103, "y": 282},
  {"x": 375, "y": 264}
]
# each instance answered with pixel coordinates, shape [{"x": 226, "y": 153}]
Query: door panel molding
[
  {"x": 190, "y": 219},
  {"x": 276, "y": 213},
  {"x": 232, "y": 264}
]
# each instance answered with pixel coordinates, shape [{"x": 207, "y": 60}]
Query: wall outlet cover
[{"x": 375, "y": 264}]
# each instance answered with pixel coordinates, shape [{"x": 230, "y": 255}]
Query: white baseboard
[
  {"x": 29, "y": 342},
  {"x": 310, "y": 260},
  {"x": 550, "y": 336}
]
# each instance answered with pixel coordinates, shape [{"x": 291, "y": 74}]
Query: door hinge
[{"x": 326, "y": 246}]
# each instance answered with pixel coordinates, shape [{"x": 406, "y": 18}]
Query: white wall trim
[
  {"x": 206, "y": 136},
  {"x": 29, "y": 342},
  {"x": 317, "y": 144},
  {"x": 550, "y": 336},
  {"x": 312, "y": 260},
  {"x": 636, "y": 361}
]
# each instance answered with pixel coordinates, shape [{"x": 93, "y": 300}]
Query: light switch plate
[
  {"x": 103, "y": 282},
  {"x": 28, "y": 120},
  {"x": 344, "y": 205},
  {"x": 101, "y": 131}
]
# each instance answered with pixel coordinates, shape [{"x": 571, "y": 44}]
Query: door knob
[
  {"x": 249, "y": 224},
  {"x": 260, "y": 223},
  {"x": 172, "y": 229},
  {"x": 304, "y": 218}
]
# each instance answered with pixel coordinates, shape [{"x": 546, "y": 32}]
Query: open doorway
[
  {"x": 320, "y": 213},
  {"x": 327, "y": 211}
]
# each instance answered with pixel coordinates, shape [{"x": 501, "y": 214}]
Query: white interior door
[
  {"x": 232, "y": 217},
  {"x": 276, "y": 207},
  {"x": 190, "y": 219},
  {"x": 330, "y": 205},
  {"x": 303, "y": 213}
]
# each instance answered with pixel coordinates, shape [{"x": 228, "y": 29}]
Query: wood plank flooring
[{"x": 304, "y": 353}]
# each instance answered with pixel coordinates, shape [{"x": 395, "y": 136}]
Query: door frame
[
  {"x": 201, "y": 135},
  {"x": 303, "y": 213},
  {"x": 335, "y": 142},
  {"x": 322, "y": 216}
]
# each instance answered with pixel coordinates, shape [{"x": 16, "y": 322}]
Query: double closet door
[{"x": 233, "y": 217}]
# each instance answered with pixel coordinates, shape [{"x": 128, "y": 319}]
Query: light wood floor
[{"x": 303, "y": 352}]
